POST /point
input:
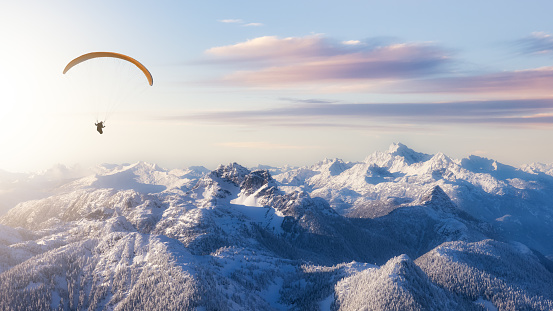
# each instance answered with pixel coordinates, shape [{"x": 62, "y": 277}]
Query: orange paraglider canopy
[{"x": 88, "y": 56}]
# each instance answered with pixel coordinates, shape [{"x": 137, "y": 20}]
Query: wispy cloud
[
  {"x": 308, "y": 101},
  {"x": 388, "y": 116},
  {"x": 231, "y": 21},
  {"x": 240, "y": 22},
  {"x": 379, "y": 65},
  {"x": 536, "y": 43},
  {"x": 263, "y": 145},
  {"x": 274, "y": 49},
  {"x": 351, "y": 42},
  {"x": 531, "y": 83},
  {"x": 315, "y": 58}
]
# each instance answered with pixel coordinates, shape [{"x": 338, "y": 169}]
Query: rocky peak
[
  {"x": 437, "y": 199},
  {"x": 255, "y": 180},
  {"x": 233, "y": 172},
  {"x": 299, "y": 203}
]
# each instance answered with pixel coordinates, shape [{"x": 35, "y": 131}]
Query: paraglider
[
  {"x": 117, "y": 75},
  {"x": 92, "y": 55},
  {"x": 99, "y": 126}
]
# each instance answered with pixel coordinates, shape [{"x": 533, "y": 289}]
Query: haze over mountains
[{"x": 400, "y": 230}]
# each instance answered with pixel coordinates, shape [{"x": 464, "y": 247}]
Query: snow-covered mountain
[
  {"x": 517, "y": 202},
  {"x": 401, "y": 230},
  {"x": 20, "y": 187}
]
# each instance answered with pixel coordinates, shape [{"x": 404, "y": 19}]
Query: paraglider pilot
[{"x": 99, "y": 126}]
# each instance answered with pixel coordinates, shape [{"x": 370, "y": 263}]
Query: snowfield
[{"x": 400, "y": 230}]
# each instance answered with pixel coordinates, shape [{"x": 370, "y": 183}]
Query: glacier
[{"x": 400, "y": 230}]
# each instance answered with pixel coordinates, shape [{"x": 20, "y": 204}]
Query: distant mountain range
[{"x": 401, "y": 230}]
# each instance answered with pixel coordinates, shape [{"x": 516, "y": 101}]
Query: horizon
[
  {"x": 249, "y": 83},
  {"x": 84, "y": 170}
]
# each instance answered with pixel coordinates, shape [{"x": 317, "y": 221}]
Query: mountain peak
[
  {"x": 142, "y": 167},
  {"x": 255, "y": 180},
  {"x": 394, "y": 147},
  {"x": 410, "y": 155},
  {"x": 233, "y": 172},
  {"x": 332, "y": 166},
  {"x": 437, "y": 198}
]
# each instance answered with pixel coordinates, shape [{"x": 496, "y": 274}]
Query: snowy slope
[
  {"x": 391, "y": 232},
  {"x": 518, "y": 202},
  {"x": 20, "y": 187},
  {"x": 397, "y": 285},
  {"x": 515, "y": 278}
]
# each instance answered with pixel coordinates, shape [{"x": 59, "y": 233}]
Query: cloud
[
  {"x": 379, "y": 65},
  {"x": 387, "y": 116},
  {"x": 308, "y": 101},
  {"x": 310, "y": 59},
  {"x": 240, "y": 22},
  {"x": 231, "y": 21},
  {"x": 262, "y": 145},
  {"x": 351, "y": 42},
  {"x": 273, "y": 49},
  {"x": 523, "y": 83},
  {"x": 536, "y": 43}
]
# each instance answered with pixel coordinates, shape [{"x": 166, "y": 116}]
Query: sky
[{"x": 275, "y": 82}]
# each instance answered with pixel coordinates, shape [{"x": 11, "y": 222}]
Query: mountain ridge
[{"x": 393, "y": 227}]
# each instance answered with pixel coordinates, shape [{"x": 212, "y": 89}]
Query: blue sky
[{"x": 276, "y": 83}]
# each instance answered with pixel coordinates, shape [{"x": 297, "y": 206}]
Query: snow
[
  {"x": 32, "y": 285},
  {"x": 484, "y": 188},
  {"x": 486, "y": 304},
  {"x": 247, "y": 200},
  {"x": 326, "y": 304},
  {"x": 56, "y": 299},
  {"x": 453, "y": 228},
  {"x": 127, "y": 225},
  {"x": 521, "y": 247},
  {"x": 271, "y": 294},
  {"x": 257, "y": 213}
]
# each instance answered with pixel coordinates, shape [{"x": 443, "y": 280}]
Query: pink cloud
[
  {"x": 530, "y": 83},
  {"x": 358, "y": 66},
  {"x": 315, "y": 58},
  {"x": 272, "y": 49}
]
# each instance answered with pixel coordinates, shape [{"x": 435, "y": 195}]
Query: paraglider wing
[{"x": 88, "y": 56}]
